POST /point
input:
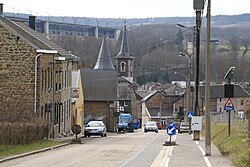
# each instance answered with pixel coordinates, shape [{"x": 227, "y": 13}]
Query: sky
[{"x": 122, "y": 8}]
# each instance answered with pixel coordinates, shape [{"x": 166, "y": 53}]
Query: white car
[
  {"x": 94, "y": 128},
  {"x": 151, "y": 126},
  {"x": 184, "y": 127}
]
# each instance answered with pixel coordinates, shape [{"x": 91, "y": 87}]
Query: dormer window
[{"x": 123, "y": 66}]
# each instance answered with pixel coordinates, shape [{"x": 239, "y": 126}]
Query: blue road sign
[
  {"x": 190, "y": 114},
  {"x": 171, "y": 130}
]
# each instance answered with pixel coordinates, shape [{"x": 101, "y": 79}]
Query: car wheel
[
  {"x": 156, "y": 131},
  {"x": 88, "y": 135},
  {"x": 102, "y": 135},
  {"x": 85, "y": 135},
  {"x": 105, "y": 135}
]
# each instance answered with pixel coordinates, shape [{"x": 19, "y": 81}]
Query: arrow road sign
[{"x": 171, "y": 130}]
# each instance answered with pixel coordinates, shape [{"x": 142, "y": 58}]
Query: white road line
[
  {"x": 207, "y": 162},
  {"x": 197, "y": 142},
  {"x": 167, "y": 162},
  {"x": 205, "y": 158},
  {"x": 168, "y": 158},
  {"x": 202, "y": 151}
]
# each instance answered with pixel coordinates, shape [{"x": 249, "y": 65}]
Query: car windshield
[
  {"x": 94, "y": 124},
  {"x": 124, "y": 120},
  {"x": 184, "y": 125},
  {"x": 151, "y": 124}
]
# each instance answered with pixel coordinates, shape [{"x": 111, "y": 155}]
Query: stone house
[
  {"x": 158, "y": 106},
  {"x": 217, "y": 99},
  {"x": 35, "y": 74}
]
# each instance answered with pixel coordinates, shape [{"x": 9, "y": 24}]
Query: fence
[{"x": 237, "y": 122}]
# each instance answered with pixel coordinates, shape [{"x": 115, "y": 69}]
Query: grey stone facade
[{"x": 19, "y": 47}]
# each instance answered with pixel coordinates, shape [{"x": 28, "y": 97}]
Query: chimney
[
  {"x": 46, "y": 28},
  {"x": 1, "y": 8},
  {"x": 32, "y": 22}
]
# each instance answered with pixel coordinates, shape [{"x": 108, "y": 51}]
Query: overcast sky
[{"x": 121, "y": 8}]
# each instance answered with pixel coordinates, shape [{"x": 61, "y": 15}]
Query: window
[
  {"x": 242, "y": 102},
  {"x": 56, "y": 80},
  {"x": 42, "y": 80},
  {"x": 123, "y": 66},
  {"x": 49, "y": 79},
  {"x": 220, "y": 100},
  {"x": 45, "y": 80},
  {"x": 220, "y": 109},
  {"x": 65, "y": 79}
]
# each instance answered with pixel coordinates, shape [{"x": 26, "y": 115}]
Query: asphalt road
[{"x": 116, "y": 150}]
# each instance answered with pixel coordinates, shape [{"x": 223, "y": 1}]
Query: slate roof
[
  {"x": 104, "y": 61},
  {"x": 153, "y": 111},
  {"x": 34, "y": 38},
  {"x": 99, "y": 85},
  {"x": 217, "y": 91},
  {"x": 124, "y": 51}
]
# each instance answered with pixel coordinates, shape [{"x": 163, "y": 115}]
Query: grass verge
[
  {"x": 236, "y": 146},
  {"x": 9, "y": 150}
]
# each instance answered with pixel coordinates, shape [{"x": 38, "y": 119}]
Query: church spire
[
  {"x": 124, "y": 51},
  {"x": 104, "y": 61}
]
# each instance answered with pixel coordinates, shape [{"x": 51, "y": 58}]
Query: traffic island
[{"x": 170, "y": 143}]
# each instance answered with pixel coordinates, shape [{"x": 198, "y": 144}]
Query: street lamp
[{"x": 187, "y": 90}]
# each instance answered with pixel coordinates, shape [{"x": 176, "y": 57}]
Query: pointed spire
[
  {"x": 104, "y": 61},
  {"x": 124, "y": 51}
]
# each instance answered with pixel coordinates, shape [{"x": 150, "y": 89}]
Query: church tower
[{"x": 124, "y": 60}]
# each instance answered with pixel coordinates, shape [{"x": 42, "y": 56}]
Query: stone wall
[
  {"x": 100, "y": 110},
  {"x": 16, "y": 71}
]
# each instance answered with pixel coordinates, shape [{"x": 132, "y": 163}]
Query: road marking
[
  {"x": 167, "y": 162},
  {"x": 205, "y": 158},
  {"x": 207, "y": 162},
  {"x": 170, "y": 153},
  {"x": 197, "y": 142},
  {"x": 202, "y": 151}
]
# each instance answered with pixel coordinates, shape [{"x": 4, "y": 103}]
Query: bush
[{"x": 20, "y": 126}]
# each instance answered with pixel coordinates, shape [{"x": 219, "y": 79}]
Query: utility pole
[
  {"x": 207, "y": 88},
  {"x": 198, "y": 7}
]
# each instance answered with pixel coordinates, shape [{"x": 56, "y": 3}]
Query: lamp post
[{"x": 186, "y": 105}]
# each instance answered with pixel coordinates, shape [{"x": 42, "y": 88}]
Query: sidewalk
[{"x": 190, "y": 153}]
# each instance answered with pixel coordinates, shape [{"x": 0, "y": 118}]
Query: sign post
[
  {"x": 171, "y": 130},
  {"x": 228, "y": 107}
]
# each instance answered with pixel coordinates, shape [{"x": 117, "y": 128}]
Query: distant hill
[{"x": 219, "y": 20}]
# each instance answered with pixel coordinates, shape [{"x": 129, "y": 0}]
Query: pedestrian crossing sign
[{"x": 229, "y": 105}]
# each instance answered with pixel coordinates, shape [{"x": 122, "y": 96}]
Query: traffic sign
[
  {"x": 190, "y": 114},
  {"x": 229, "y": 105},
  {"x": 171, "y": 130}
]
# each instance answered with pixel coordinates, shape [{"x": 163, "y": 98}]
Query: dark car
[
  {"x": 159, "y": 125},
  {"x": 94, "y": 128}
]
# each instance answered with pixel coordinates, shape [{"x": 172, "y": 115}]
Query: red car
[{"x": 159, "y": 125}]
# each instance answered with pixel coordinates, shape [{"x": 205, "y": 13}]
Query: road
[{"x": 116, "y": 150}]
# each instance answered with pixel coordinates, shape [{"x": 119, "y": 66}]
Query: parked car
[
  {"x": 151, "y": 126},
  {"x": 94, "y": 128},
  {"x": 184, "y": 127},
  {"x": 159, "y": 126}
]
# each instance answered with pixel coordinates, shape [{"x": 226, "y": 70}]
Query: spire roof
[
  {"x": 124, "y": 51},
  {"x": 104, "y": 61}
]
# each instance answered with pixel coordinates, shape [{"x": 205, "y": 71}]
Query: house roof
[
  {"x": 99, "y": 85},
  {"x": 155, "y": 111},
  {"x": 104, "y": 61},
  {"x": 217, "y": 91},
  {"x": 34, "y": 38}
]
